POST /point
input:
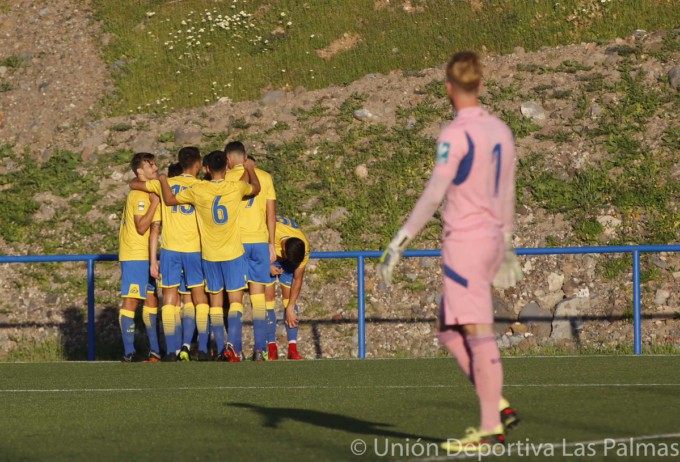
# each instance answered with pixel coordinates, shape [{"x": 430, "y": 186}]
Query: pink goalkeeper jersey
[{"x": 475, "y": 166}]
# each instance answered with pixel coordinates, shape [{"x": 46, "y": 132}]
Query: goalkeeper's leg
[{"x": 454, "y": 341}]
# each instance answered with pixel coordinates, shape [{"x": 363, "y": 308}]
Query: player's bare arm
[
  {"x": 249, "y": 167},
  {"x": 153, "y": 249},
  {"x": 168, "y": 197},
  {"x": 295, "y": 288},
  {"x": 271, "y": 228},
  {"x": 143, "y": 222},
  {"x": 139, "y": 185}
]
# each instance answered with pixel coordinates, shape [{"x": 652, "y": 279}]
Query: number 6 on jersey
[{"x": 219, "y": 212}]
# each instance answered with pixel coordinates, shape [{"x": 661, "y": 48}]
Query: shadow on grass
[
  {"x": 273, "y": 416},
  {"x": 108, "y": 343}
]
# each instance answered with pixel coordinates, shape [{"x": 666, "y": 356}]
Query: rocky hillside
[{"x": 598, "y": 160}]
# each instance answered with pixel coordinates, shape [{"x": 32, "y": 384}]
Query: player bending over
[
  {"x": 292, "y": 254},
  {"x": 217, "y": 204},
  {"x": 475, "y": 170},
  {"x": 140, "y": 213},
  {"x": 257, "y": 219}
]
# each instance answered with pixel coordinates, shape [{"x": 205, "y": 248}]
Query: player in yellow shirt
[
  {"x": 141, "y": 211},
  {"x": 258, "y": 227},
  {"x": 181, "y": 262},
  {"x": 218, "y": 204},
  {"x": 292, "y": 254},
  {"x": 192, "y": 310}
]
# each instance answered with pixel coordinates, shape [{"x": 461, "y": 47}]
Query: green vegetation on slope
[{"x": 169, "y": 55}]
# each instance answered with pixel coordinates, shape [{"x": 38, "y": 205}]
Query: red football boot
[{"x": 292, "y": 351}]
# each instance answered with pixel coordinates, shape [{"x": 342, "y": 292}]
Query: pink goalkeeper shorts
[{"x": 468, "y": 268}]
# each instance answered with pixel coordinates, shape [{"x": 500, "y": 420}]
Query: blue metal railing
[{"x": 360, "y": 257}]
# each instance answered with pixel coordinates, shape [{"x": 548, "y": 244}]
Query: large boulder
[
  {"x": 539, "y": 320},
  {"x": 566, "y": 321},
  {"x": 188, "y": 136},
  {"x": 504, "y": 315}
]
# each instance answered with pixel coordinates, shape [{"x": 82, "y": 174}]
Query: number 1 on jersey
[{"x": 497, "y": 158}]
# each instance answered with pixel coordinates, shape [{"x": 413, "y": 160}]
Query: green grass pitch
[{"x": 314, "y": 410}]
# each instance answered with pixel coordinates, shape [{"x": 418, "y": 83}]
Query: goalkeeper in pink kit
[{"x": 475, "y": 171}]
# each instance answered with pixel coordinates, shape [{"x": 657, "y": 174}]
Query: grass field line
[
  {"x": 318, "y": 387},
  {"x": 563, "y": 445}
]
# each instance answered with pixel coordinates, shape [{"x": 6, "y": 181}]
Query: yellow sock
[
  {"x": 270, "y": 304},
  {"x": 216, "y": 314},
  {"x": 178, "y": 318},
  {"x": 202, "y": 312},
  {"x": 189, "y": 310},
  {"x": 259, "y": 306},
  {"x": 127, "y": 314},
  {"x": 168, "y": 317},
  {"x": 147, "y": 311},
  {"x": 235, "y": 307}
]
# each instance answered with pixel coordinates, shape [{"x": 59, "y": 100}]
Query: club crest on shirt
[
  {"x": 443, "y": 152},
  {"x": 141, "y": 205}
]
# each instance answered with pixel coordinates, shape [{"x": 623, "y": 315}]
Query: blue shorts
[
  {"x": 231, "y": 275},
  {"x": 136, "y": 280},
  {"x": 183, "y": 285},
  {"x": 174, "y": 263},
  {"x": 257, "y": 259},
  {"x": 285, "y": 278}
]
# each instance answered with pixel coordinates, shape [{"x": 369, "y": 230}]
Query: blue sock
[
  {"x": 127, "y": 329},
  {"x": 271, "y": 325},
  {"x": 217, "y": 326},
  {"x": 150, "y": 315},
  {"x": 259, "y": 321},
  {"x": 292, "y": 333},
  {"x": 178, "y": 329},
  {"x": 235, "y": 334}
]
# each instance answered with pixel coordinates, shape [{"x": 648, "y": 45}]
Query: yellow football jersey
[
  {"x": 285, "y": 228},
  {"x": 218, "y": 204},
  {"x": 132, "y": 245},
  {"x": 180, "y": 228},
  {"x": 253, "y": 217}
]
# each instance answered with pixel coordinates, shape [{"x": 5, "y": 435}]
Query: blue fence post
[
  {"x": 362, "y": 307},
  {"x": 90, "y": 310},
  {"x": 637, "y": 315}
]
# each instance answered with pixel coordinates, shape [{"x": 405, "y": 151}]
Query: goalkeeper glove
[
  {"x": 392, "y": 254},
  {"x": 509, "y": 273}
]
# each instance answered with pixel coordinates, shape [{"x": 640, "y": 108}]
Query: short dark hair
[
  {"x": 188, "y": 156},
  {"x": 217, "y": 161},
  {"x": 174, "y": 170},
  {"x": 295, "y": 251},
  {"x": 236, "y": 147},
  {"x": 139, "y": 159}
]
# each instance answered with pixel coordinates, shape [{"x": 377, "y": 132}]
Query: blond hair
[{"x": 464, "y": 70}]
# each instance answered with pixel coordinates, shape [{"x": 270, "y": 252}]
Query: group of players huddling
[
  {"x": 218, "y": 234},
  {"x": 474, "y": 170}
]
